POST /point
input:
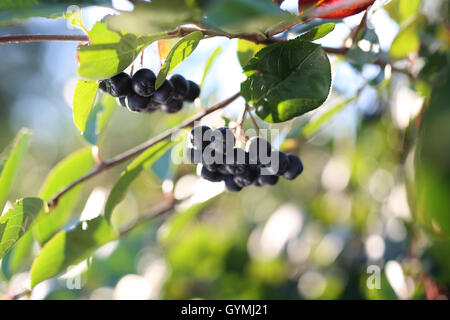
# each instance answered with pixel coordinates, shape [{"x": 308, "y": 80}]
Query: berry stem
[
  {"x": 106, "y": 164},
  {"x": 253, "y": 120}
]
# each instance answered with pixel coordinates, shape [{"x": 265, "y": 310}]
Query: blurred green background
[{"x": 375, "y": 190}]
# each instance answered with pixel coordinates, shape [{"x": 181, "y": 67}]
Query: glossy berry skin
[
  {"x": 193, "y": 155},
  {"x": 259, "y": 150},
  {"x": 279, "y": 163},
  {"x": 267, "y": 180},
  {"x": 222, "y": 140},
  {"x": 119, "y": 85},
  {"x": 200, "y": 136},
  {"x": 246, "y": 178},
  {"x": 211, "y": 176},
  {"x": 295, "y": 167},
  {"x": 173, "y": 106},
  {"x": 231, "y": 185},
  {"x": 122, "y": 101},
  {"x": 137, "y": 103},
  {"x": 164, "y": 93},
  {"x": 102, "y": 86},
  {"x": 153, "y": 105},
  {"x": 180, "y": 85},
  {"x": 193, "y": 91},
  {"x": 143, "y": 82},
  {"x": 239, "y": 162}
]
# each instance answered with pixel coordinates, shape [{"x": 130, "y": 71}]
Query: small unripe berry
[{"x": 143, "y": 82}]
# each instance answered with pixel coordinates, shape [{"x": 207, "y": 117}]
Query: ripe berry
[
  {"x": 238, "y": 163},
  {"x": 164, "y": 93},
  {"x": 279, "y": 163},
  {"x": 221, "y": 169},
  {"x": 295, "y": 167},
  {"x": 259, "y": 150},
  {"x": 172, "y": 106},
  {"x": 152, "y": 105},
  {"x": 193, "y": 155},
  {"x": 180, "y": 85},
  {"x": 102, "y": 86},
  {"x": 143, "y": 82},
  {"x": 246, "y": 178},
  {"x": 200, "y": 137},
  {"x": 231, "y": 185},
  {"x": 136, "y": 102},
  {"x": 222, "y": 140},
  {"x": 119, "y": 85},
  {"x": 211, "y": 176},
  {"x": 267, "y": 180},
  {"x": 122, "y": 101},
  {"x": 193, "y": 91}
]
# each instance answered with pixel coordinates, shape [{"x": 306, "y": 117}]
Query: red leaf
[{"x": 332, "y": 9}]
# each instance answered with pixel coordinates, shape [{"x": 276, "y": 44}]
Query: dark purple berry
[
  {"x": 211, "y": 176},
  {"x": 193, "y": 91},
  {"x": 164, "y": 93},
  {"x": 143, "y": 82},
  {"x": 122, "y": 101},
  {"x": 180, "y": 85},
  {"x": 279, "y": 163},
  {"x": 200, "y": 137},
  {"x": 267, "y": 180},
  {"x": 119, "y": 85},
  {"x": 193, "y": 155},
  {"x": 246, "y": 178},
  {"x": 102, "y": 86},
  {"x": 231, "y": 185},
  {"x": 259, "y": 150},
  {"x": 295, "y": 167},
  {"x": 237, "y": 161},
  {"x": 153, "y": 105},
  {"x": 173, "y": 106},
  {"x": 222, "y": 140},
  {"x": 137, "y": 103}
]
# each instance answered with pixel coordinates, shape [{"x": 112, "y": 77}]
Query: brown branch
[
  {"x": 41, "y": 38},
  {"x": 106, "y": 164}
]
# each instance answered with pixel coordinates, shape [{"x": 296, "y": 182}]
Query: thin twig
[
  {"x": 253, "y": 120},
  {"x": 41, "y": 38},
  {"x": 141, "y": 148}
]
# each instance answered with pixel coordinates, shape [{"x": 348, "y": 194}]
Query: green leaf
[
  {"x": 318, "y": 32},
  {"x": 13, "y": 11},
  {"x": 12, "y": 165},
  {"x": 177, "y": 54},
  {"x": 142, "y": 163},
  {"x": 17, "y": 221},
  {"x": 156, "y": 16},
  {"x": 407, "y": 40},
  {"x": 314, "y": 125},
  {"x": 17, "y": 258},
  {"x": 83, "y": 100},
  {"x": 110, "y": 52},
  {"x": 64, "y": 173},
  {"x": 366, "y": 48},
  {"x": 239, "y": 16},
  {"x": 98, "y": 119},
  {"x": 286, "y": 80},
  {"x": 68, "y": 248},
  {"x": 209, "y": 63},
  {"x": 247, "y": 50}
]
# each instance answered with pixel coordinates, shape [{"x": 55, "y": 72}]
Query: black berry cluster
[
  {"x": 138, "y": 93},
  {"x": 258, "y": 165}
]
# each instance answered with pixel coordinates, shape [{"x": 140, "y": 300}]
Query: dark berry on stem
[
  {"x": 102, "y": 86},
  {"x": 231, "y": 185},
  {"x": 193, "y": 91},
  {"x": 143, "y": 82},
  {"x": 295, "y": 167},
  {"x": 164, "y": 93},
  {"x": 211, "y": 176},
  {"x": 172, "y": 106},
  {"x": 238, "y": 163},
  {"x": 259, "y": 150},
  {"x": 119, "y": 85},
  {"x": 136, "y": 102},
  {"x": 267, "y": 180},
  {"x": 222, "y": 140},
  {"x": 153, "y": 105},
  {"x": 246, "y": 178},
  {"x": 122, "y": 101},
  {"x": 200, "y": 136},
  {"x": 180, "y": 85},
  {"x": 279, "y": 163}
]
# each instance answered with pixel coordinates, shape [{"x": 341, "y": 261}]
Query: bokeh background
[{"x": 312, "y": 238}]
